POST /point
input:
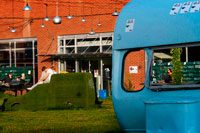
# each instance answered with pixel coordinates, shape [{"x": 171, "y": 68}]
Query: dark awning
[{"x": 79, "y": 56}]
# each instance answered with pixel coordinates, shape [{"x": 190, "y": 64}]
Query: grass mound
[{"x": 64, "y": 91}]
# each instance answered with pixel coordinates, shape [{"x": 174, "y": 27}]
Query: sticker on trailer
[
  {"x": 129, "y": 25},
  {"x": 186, "y": 7},
  {"x": 195, "y": 6},
  {"x": 133, "y": 69},
  {"x": 175, "y": 9}
]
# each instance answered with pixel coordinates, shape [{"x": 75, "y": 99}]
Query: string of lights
[
  {"x": 76, "y": 4},
  {"x": 18, "y": 22}
]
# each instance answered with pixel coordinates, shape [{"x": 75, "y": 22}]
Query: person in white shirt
[
  {"x": 45, "y": 77},
  {"x": 54, "y": 70}
]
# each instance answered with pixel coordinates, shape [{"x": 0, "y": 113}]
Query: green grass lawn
[{"x": 94, "y": 119}]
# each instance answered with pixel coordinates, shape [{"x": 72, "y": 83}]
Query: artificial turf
[
  {"x": 64, "y": 91},
  {"x": 99, "y": 118}
]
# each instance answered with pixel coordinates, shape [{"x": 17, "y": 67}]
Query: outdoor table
[
  {"x": 3, "y": 87},
  {"x": 16, "y": 86}
]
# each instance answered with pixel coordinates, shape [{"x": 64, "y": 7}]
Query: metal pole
[
  {"x": 33, "y": 49},
  {"x": 101, "y": 44},
  {"x": 75, "y": 40},
  {"x": 76, "y": 61},
  {"x": 76, "y": 66},
  {"x": 89, "y": 66},
  {"x": 65, "y": 65},
  {"x": 186, "y": 53},
  {"x": 58, "y": 65},
  {"x": 101, "y": 65},
  {"x": 15, "y": 58},
  {"x": 64, "y": 46},
  {"x": 10, "y": 53}
]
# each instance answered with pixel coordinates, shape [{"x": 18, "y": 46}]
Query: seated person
[
  {"x": 168, "y": 77},
  {"x": 22, "y": 80},
  {"x": 44, "y": 78},
  {"x": 54, "y": 70},
  {"x": 8, "y": 79},
  {"x": 47, "y": 77}
]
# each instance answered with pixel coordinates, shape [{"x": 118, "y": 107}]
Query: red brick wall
[
  {"x": 31, "y": 28},
  {"x": 135, "y": 58}
]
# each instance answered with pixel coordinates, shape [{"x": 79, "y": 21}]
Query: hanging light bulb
[
  {"x": 69, "y": 16},
  {"x": 91, "y": 32},
  {"x": 115, "y": 13},
  {"x": 27, "y": 7},
  {"x": 42, "y": 25},
  {"x": 83, "y": 19},
  {"x": 13, "y": 30},
  {"x": 99, "y": 23},
  {"x": 46, "y": 18},
  {"x": 56, "y": 19}
]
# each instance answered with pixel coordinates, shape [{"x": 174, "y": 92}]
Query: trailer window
[
  {"x": 134, "y": 71},
  {"x": 177, "y": 67}
]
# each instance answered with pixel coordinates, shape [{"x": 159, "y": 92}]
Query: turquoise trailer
[{"x": 156, "y": 66}]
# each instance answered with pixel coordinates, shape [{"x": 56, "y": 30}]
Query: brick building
[{"x": 67, "y": 46}]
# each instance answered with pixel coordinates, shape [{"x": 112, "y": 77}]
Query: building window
[
  {"x": 83, "y": 45},
  {"x": 78, "y": 44},
  {"x": 175, "y": 68},
  {"x": 134, "y": 71},
  {"x": 19, "y": 53}
]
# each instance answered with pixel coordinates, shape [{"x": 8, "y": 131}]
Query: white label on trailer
[
  {"x": 133, "y": 69},
  {"x": 175, "y": 9},
  {"x": 195, "y": 6},
  {"x": 129, "y": 25},
  {"x": 186, "y": 7}
]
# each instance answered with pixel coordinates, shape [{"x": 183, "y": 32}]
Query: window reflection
[
  {"x": 18, "y": 54},
  {"x": 176, "y": 66}
]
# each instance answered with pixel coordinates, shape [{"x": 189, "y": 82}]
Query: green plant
[
  {"x": 128, "y": 86},
  {"x": 177, "y": 65},
  {"x": 64, "y": 91}
]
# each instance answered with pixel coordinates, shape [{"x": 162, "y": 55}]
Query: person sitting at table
[
  {"x": 44, "y": 78},
  {"x": 8, "y": 79},
  {"x": 22, "y": 79},
  {"x": 168, "y": 77}
]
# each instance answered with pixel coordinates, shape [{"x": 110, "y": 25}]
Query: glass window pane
[
  {"x": 61, "y": 50},
  {"x": 90, "y": 49},
  {"x": 61, "y": 43},
  {"x": 88, "y": 42},
  {"x": 70, "y": 66},
  {"x": 107, "y": 48},
  {"x": 4, "y": 58},
  {"x": 24, "y": 57},
  {"x": 134, "y": 71},
  {"x": 84, "y": 65},
  {"x": 169, "y": 66},
  {"x": 24, "y": 44},
  {"x": 70, "y": 50},
  {"x": 106, "y": 40},
  {"x": 4, "y": 46},
  {"x": 70, "y": 42}
]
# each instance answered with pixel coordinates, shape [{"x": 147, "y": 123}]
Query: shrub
[{"x": 64, "y": 91}]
